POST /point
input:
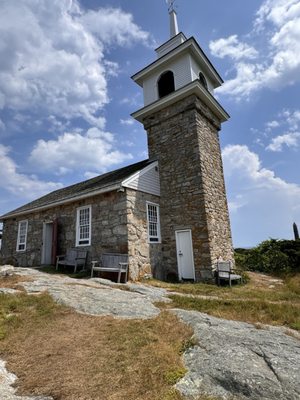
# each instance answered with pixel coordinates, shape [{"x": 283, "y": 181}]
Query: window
[
  {"x": 22, "y": 235},
  {"x": 203, "y": 81},
  {"x": 166, "y": 84},
  {"x": 153, "y": 223},
  {"x": 83, "y": 226}
]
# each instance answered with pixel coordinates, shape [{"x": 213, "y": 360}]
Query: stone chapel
[{"x": 168, "y": 213}]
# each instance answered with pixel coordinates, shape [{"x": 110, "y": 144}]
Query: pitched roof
[{"x": 102, "y": 183}]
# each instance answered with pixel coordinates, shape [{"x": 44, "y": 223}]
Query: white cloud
[
  {"x": 133, "y": 101},
  {"x": 95, "y": 150},
  {"x": 272, "y": 125},
  {"x": 2, "y": 125},
  {"x": 278, "y": 23},
  {"x": 20, "y": 184},
  {"x": 290, "y": 139},
  {"x": 128, "y": 121},
  {"x": 292, "y": 118},
  {"x": 264, "y": 203},
  {"x": 232, "y": 47},
  {"x": 276, "y": 11},
  {"x": 114, "y": 26},
  {"x": 52, "y": 56},
  {"x": 90, "y": 174}
]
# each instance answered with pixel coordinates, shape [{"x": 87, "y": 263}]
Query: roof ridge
[{"x": 81, "y": 188}]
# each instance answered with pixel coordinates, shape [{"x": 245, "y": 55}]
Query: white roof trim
[
  {"x": 190, "y": 45},
  {"x": 194, "y": 87},
  {"x": 60, "y": 202}
]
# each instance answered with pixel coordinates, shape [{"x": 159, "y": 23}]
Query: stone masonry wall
[
  {"x": 214, "y": 186},
  {"x": 109, "y": 229},
  {"x": 144, "y": 257},
  {"x": 184, "y": 139}
]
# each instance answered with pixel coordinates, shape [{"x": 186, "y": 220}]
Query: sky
[{"x": 66, "y": 97}]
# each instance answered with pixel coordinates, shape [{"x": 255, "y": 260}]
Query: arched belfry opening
[
  {"x": 203, "y": 80},
  {"x": 166, "y": 84}
]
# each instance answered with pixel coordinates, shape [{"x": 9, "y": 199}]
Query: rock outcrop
[{"x": 236, "y": 359}]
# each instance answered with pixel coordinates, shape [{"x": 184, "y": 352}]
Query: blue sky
[{"x": 66, "y": 97}]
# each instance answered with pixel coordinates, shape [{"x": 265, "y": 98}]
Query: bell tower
[{"x": 183, "y": 119}]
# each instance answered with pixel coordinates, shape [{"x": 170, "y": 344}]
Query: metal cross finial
[{"x": 171, "y": 5}]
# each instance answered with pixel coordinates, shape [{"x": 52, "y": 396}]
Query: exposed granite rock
[
  {"x": 9, "y": 290},
  {"x": 237, "y": 359},
  {"x": 92, "y": 297},
  {"x": 7, "y": 392},
  {"x": 232, "y": 360},
  {"x": 6, "y": 270}
]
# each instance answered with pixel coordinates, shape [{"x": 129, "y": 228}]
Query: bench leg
[
  {"x": 94, "y": 263},
  {"x": 119, "y": 276}
]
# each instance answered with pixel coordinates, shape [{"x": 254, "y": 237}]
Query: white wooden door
[
  {"x": 47, "y": 243},
  {"x": 185, "y": 257}
]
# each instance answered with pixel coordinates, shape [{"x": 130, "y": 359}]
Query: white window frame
[
  {"x": 24, "y": 241},
  {"x": 88, "y": 239},
  {"x": 153, "y": 239}
]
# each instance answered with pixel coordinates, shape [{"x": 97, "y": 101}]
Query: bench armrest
[
  {"x": 94, "y": 262},
  {"x": 61, "y": 256}
]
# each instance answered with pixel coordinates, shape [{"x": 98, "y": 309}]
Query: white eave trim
[
  {"x": 61, "y": 202},
  {"x": 190, "y": 45},
  {"x": 194, "y": 87}
]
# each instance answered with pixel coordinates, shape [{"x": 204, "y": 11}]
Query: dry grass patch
[
  {"x": 260, "y": 287},
  {"x": 257, "y": 311},
  {"x": 264, "y": 300},
  {"x": 13, "y": 281},
  {"x": 55, "y": 351}
]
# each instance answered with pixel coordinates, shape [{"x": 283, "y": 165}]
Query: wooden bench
[
  {"x": 74, "y": 257},
  {"x": 112, "y": 262},
  {"x": 226, "y": 272}
]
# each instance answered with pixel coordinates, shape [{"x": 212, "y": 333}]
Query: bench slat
[{"x": 111, "y": 262}]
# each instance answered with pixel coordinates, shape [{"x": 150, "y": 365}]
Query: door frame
[
  {"x": 43, "y": 253},
  {"x": 192, "y": 252}
]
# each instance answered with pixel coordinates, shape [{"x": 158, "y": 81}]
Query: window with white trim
[
  {"x": 22, "y": 235},
  {"x": 83, "y": 226},
  {"x": 153, "y": 223}
]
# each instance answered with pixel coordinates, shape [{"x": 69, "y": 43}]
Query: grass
[
  {"x": 13, "y": 282},
  {"x": 289, "y": 291},
  {"x": 17, "y": 310},
  {"x": 262, "y": 300},
  {"x": 257, "y": 311},
  {"x": 55, "y": 351}
]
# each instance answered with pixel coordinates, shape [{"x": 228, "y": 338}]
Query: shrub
[{"x": 271, "y": 256}]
